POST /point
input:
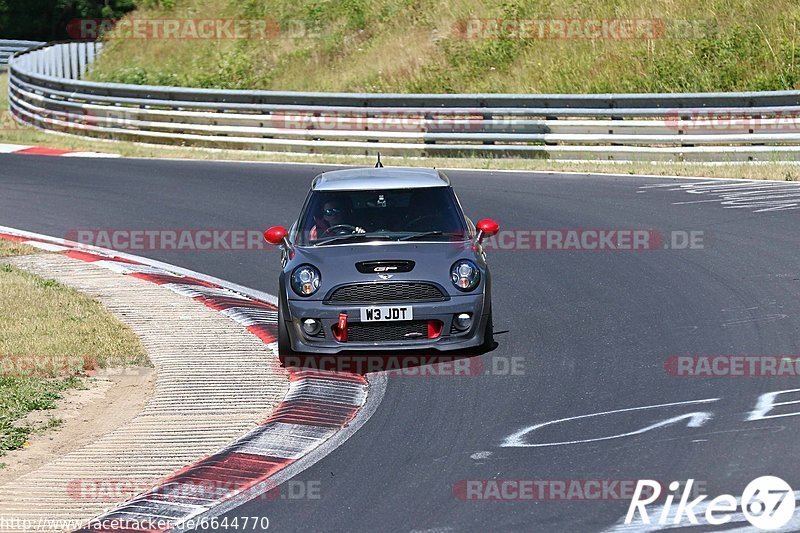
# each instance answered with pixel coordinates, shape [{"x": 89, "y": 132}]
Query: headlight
[
  {"x": 305, "y": 280},
  {"x": 465, "y": 275}
]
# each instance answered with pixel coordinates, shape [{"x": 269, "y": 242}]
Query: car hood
[{"x": 337, "y": 263}]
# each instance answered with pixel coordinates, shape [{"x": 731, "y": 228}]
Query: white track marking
[
  {"x": 696, "y": 419},
  {"x": 15, "y": 148},
  {"x": 92, "y": 155},
  {"x": 11, "y": 148},
  {"x": 760, "y": 197},
  {"x": 193, "y": 291},
  {"x": 46, "y": 246},
  {"x": 480, "y": 455},
  {"x": 127, "y": 268},
  {"x": 250, "y": 316}
]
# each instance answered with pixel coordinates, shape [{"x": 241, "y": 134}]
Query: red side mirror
[
  {"x": 488, "y": 227},
  {"x": 275, "y": 235}
]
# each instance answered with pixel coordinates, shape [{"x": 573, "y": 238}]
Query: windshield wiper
[
  {"x": 350, "y": 236},
  {"x": 420, "y": 235}
]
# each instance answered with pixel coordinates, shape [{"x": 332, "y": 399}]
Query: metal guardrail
[
  {"x": 46, "y": 91},
  {"x": 9, "y": 48}
]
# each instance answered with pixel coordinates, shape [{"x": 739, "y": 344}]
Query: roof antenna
[{"x": 379, "y": 164}]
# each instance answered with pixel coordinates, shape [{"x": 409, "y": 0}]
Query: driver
[{"x": 333, "y": 214}]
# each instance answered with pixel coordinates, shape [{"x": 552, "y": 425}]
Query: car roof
[{"x": 380, "y": 178}]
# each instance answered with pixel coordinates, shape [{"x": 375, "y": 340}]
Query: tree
[{"x": 47, "y": 20}]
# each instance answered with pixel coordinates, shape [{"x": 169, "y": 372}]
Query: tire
[
  {"x": 488, "y": 334},
  {"x": 284, "y": 343}
]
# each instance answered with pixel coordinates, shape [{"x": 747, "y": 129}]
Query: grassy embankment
[
  {"x": 417, "y": 46},
  {"x": 50, "y": 336}
]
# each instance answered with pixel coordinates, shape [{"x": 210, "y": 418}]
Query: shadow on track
[{"x": 407, "y": 362}]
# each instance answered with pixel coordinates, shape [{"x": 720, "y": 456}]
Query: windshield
[{"x": 391, "y": 214}]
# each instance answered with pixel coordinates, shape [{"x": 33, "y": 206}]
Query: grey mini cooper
[{"x": 383, "y": 258}]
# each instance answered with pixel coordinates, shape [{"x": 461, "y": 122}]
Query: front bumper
[{"x": 448, "y": 340}]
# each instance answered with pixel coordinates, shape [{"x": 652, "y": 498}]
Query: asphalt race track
[{"x": 590, "y": 332}]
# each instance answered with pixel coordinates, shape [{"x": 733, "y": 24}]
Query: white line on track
[{"x": 759, "y": 196}]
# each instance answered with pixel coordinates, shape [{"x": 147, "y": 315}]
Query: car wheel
[
  {"x": 488, "y": 334},
  {"x": 284, "y": 343}
]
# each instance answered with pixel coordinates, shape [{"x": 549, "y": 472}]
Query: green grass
[
  {"x": 11, "y": 248},
  {"x": 43, "y": 318},
  {"x": 20, "y": 396},
  {"x": 50, "y": 335},
  {"x": 415, "y": 46}
]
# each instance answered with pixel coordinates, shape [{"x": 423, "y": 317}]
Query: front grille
[
  {"x": 365, "y": 332},
  {"x": 387, "y": 292}
]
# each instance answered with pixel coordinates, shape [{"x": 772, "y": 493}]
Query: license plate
[{"x": 386, "y": 314}]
